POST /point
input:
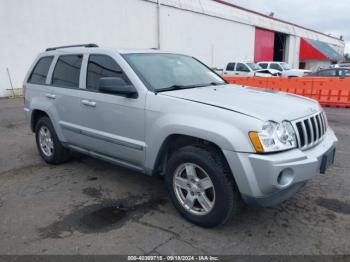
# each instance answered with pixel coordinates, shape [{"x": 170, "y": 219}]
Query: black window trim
[
  {"x": 81, "y": 67},
  {"x": 96, "y": 91},
  {"x": 48, "y": 71}
]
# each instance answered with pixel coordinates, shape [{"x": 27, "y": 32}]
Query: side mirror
[{"x": 116, "y": 85}]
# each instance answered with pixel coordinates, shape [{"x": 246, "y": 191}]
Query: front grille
[{"x": 310, "y": 130}]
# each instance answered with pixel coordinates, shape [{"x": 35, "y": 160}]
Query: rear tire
[
  {"x": 214, "y": 198},
  {"x": 48, "y": 144}
]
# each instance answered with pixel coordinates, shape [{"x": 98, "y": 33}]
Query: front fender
[{"x": 225, "y": 135}]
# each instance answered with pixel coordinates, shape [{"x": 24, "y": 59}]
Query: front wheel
[{"x": 201, "y": 186}]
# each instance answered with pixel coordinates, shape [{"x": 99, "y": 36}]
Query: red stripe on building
[{"x": 308, "y": 52}]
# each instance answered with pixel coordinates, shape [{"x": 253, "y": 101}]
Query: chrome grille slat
[
  {"x": 297, "y": 134},
  {"x": 322, "y": 121},
  {"x": 319, "y": 125},
  {"x": 325, "y": 121},
  {"x": 310, "y": 130},
  {"x": 312, "y": 136},
  {"x": 317, "y": 129},
  {"x": 306, "y": 139}
]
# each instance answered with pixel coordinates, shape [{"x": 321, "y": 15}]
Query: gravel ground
[{"x": 87, "y": 206}]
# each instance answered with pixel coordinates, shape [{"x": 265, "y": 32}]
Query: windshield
[
  {"x": 169, "y": 71},
  {"x": 254, "y": 67},
  {"x": 285, "y": 66}
]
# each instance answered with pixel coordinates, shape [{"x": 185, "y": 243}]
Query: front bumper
[{"x": 267, "y": 180}]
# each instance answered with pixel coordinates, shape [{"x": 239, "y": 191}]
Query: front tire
[
  {"x": 48, "y": 144},
  {"x": 201, "y": 186}
]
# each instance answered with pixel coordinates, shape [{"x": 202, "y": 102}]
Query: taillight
[{"x": 24, "y": 94}]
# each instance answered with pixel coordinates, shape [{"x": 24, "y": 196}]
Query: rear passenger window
[
  {"x": 230, "y": 67},
  {"x": 67, "y": 71},
  {"x": 102, "y": 66},
  {"x": 39, "y": 73}
]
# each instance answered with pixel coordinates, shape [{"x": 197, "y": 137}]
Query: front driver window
[
  {"x": 276, "y": 67},
  {"x": 263, "y": 65},
  {"x": 242, "y": 68},
  {"x": 102, "y": 66}
]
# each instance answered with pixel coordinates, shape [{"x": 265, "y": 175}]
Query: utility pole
[{"x": 158, "y": 24}]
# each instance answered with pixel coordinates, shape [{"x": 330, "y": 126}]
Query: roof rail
[{"x": 68, "y": 46}]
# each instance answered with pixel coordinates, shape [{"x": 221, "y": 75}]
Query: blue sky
[{"x": 330, "y": 17}]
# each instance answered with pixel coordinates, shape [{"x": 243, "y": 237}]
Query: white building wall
[
  {"x": 217, "y": 9},
  {"x": 213, "y": 32},
  {"x": 29, "y": 27},
  {"x": 214, "y": 41},
  {"x": 293, "y": 51}
]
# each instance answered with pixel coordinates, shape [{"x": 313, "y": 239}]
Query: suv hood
[{"x": 259, "y": 103}]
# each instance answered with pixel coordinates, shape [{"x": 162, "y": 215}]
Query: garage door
[{"x": 264, "y": 45}]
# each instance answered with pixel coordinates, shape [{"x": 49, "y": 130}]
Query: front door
[
  {"x": 112, "y": 125},
  {"x": 242, "y": 70}
]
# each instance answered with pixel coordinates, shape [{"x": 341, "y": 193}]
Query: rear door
[
  {"x": 230, "y": 69},
  {"x": 113, "y": 125},
  {"x": 63, "y": 91}
]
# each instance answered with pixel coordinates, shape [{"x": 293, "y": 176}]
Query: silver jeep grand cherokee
[{"x": 216, "y": 144}]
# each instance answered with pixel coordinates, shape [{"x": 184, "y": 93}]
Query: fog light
[{"x": 285, "y": 177}]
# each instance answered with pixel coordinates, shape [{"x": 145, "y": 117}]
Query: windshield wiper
[
  {"x": 179, "y": 87},
  {"x": 216, "y": 84}
]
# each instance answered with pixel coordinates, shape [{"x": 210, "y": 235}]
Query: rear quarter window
[{"x": 39, "y": 73}]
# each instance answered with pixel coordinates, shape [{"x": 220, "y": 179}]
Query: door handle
[
  {"x": 50, "y": 96},
  {"x": 88, "y": 102}
]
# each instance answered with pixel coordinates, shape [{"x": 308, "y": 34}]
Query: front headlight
[{"x": 274, "y": 137}]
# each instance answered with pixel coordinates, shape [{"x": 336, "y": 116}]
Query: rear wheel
[
  {"x": 50, "y": 148},
  {"x": 201, "y": 186}
]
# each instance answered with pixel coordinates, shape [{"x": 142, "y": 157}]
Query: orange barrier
[{"x": 329, "y": 91}]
